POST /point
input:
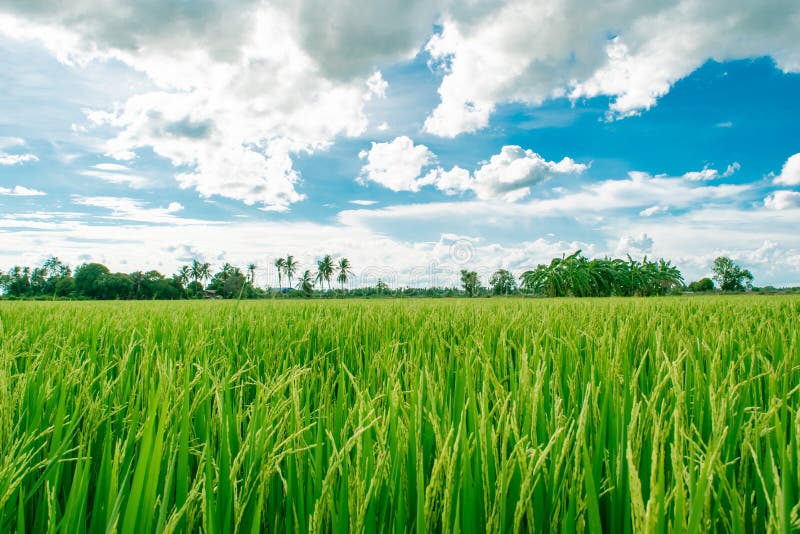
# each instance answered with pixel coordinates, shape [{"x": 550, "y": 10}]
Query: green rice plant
[{"x": 499, "y": 415}]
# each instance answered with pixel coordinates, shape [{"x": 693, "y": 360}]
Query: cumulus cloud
[
  {"x": 632, "y": 51},
  {"x": 635, "y": 244},
  {"x": 508, "y": 176},
  {"x": 7, "y": 143},
  {"x": 249, "y": 85},
  {"x": 790, "y": 173},
  {"x": 396, "y": 165},
  {"x": 240, "y": 88},
  {"x": 20, "y": 191},
  {"x": 452, "y": 182},
  {"x": 712, "y": 174},
  {"x": 782, "y": 200}
]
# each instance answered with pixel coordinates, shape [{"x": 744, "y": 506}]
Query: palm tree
[
  {"x": 325, "y": 270},
  {"x": 196, "y": 270},
  {"x": 280, "y": 265},
  {"x": 251, "y": 274},
  {"x": 290, "y": 268},
  {"x": 205, "y": 271},
  {"x": 184, "y": 273},
  {"x": 344, "y": 272},
  {"x": 306, "y": 283}
]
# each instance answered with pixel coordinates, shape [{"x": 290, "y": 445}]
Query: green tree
[
  {"x": 306, "y": 283},
  {"x": 52, "y": 271},
  {"x": 65, "y": 287},
  {"x": 702, "y": 285},
  {"x": 251, "y": 274},
  {"x": 184, "y": 274},
  {"x": 344, "y": 272},
  {"x": 280, "y": 265},
  {"x": 730, "y": 276},
  {"x": 205, "y": 272},
  {"x": 470, "y": 282},
  {"x": 87, "y": 278},
  {"x": 196, "y": 270},
  {"x": 578, "y": 276},
  {"x": 230, "y": 282},
  {"x": 325, "y": 270},
  {"x": 114, "y": 286},
  {"x": 16, "y": 282},
  {"x": 503, "y": 282},
  {"x": 381, "y": 287},
  {"x": 290, "y": 268}
]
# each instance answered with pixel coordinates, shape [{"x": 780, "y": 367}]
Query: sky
[{"x": 417, "y": 138}]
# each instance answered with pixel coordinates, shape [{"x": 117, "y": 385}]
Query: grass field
[{"x": 620, "y": 415}]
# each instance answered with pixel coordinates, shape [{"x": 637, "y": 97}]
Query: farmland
[{"x": 620, "y": 415}]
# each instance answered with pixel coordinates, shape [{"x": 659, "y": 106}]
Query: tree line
[{"x": 573, "y": 275}]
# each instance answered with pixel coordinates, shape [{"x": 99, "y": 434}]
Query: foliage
[
  {"x": 576, "y": 275},
  {"x": 306, "y": 283},
  {"x": 730, "y": 276},
  {"x": 701, "y": 286},
  {"x": 290, "y": 268},
  {"x": 503, "y": 282},
  {"x": 343, "y": 268},
  {"x": 496, "y": 415},
  {"x": 280, "y": 266},
  {"x": 325, "y": 270},
  {"x": 470, "y": 282},
  {"x": 230, "y": 283}
]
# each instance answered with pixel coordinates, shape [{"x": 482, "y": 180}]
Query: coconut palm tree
[
  {"x": 251, "y": 274},
  {"x": 205, "y": 272},
  {"x": 344, "y": 272},
  {"x": 196, "y": 270},
  {"x": 184, "y": 274},
  {"x": 306, "y": 283},
  {"x": 325, "y": 270},
  {"x": 280, "y": 265},
  {"x": 290, "y": 268}
]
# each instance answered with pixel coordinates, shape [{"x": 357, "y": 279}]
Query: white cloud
[
  {"x": 782, "y": 200},
  {"x": 10, "y": 142},
  {"x": 284, "y": 78},
  {"x": 128, "y": 209},
  {"x": 16, "y": 159},
  {"x": 790, "y": 174},
  {"x": 712, "y": 174},
  {"x": 509, "y": 174},
  {"x": 14, "y": 143},
  {"x": 20, "y": 191},
  {"x": 364, "y": 202},
  {"x": 377, "y": 86},
  {"x": 704, "y": 221},
  {"x": 452, "y": 182},
  {"x": 396, "y": 165},
  {"x": 522, "y": 51},
  {"x": 635, "y": 244},
  {"x": 235, "y": 101},
  {"x": 116, "y": 174},
  {"x": 654, "y": 210}
]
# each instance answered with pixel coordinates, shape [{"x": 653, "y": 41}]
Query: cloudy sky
[{"x": 415, "y": 137}]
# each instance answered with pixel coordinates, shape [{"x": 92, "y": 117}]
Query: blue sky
[{"x": 415, "y": 138}]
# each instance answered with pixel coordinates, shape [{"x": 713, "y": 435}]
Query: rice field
[{"x": 501, "y": 415}]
